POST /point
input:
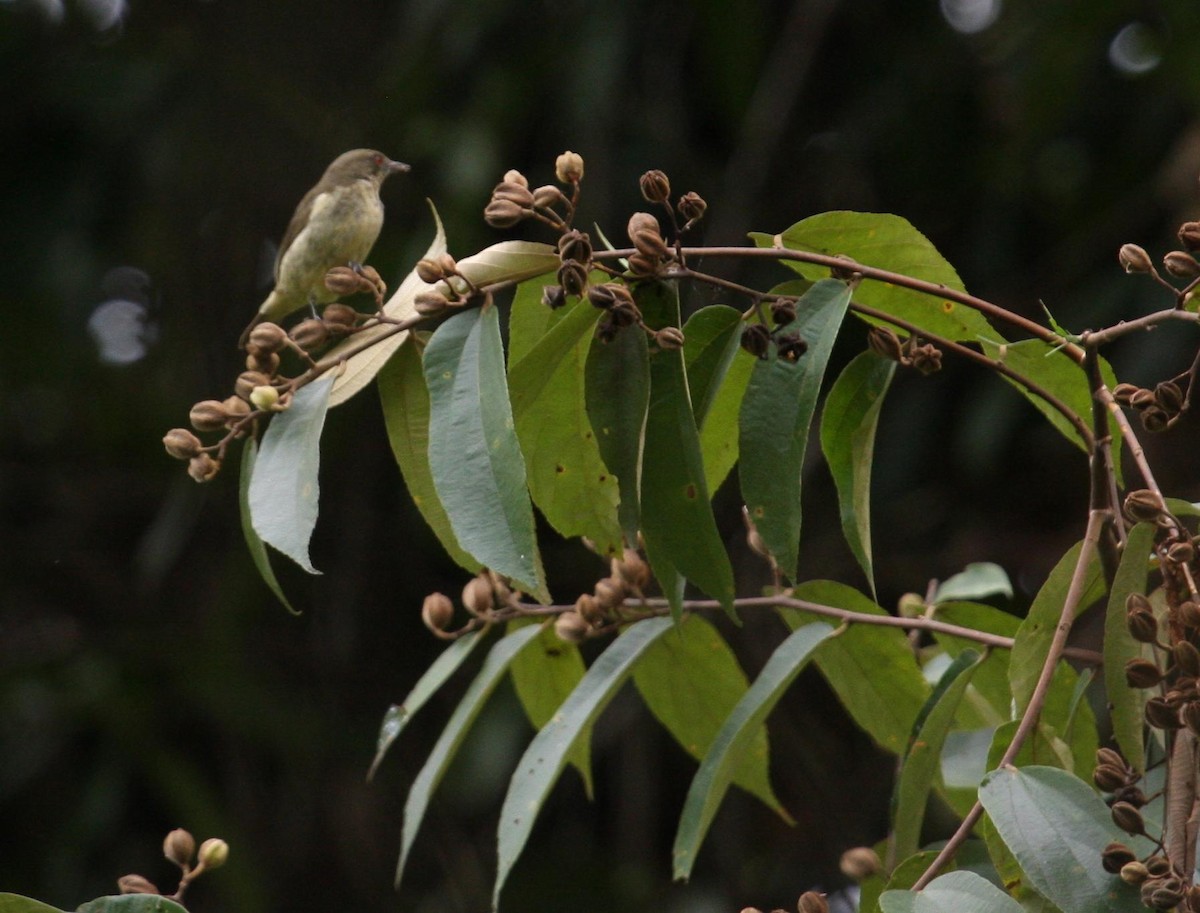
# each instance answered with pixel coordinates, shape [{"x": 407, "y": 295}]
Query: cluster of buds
[
  {"x": 809, "y": 902},
  {"x": 575, "y": 263},
  {"x": 451, "y": 289},
  {"x": 513, "y": 201},
  {"x": 344, "y": 281},
  {"x": 179, "y": 847},
  {"x": 483, "y": 596},
  {"x": 1159, "y": 408},
  {"x": 911, "y": 352},
  {"x": 628, "y": 576},
  {"x": 650, "y": 248},
  {"x": 758, "y": 338},
  {"x": 1179, "y": 264}
]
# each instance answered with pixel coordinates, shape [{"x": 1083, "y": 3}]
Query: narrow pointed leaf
[
  {"x": 976, "y": 581},
  {"x": 954, "y": 892},
  {"x": 398, "y": 715},
  {"x": 677, "y": 518},
  {"x": 1055, "y": 825},
  {"x": 568, "y": 480},
  {"x": 691, "y": 682},
  {"x": 494, "y": 668},
  {"x": 546, "y": 756},
  {"x": 478, "y": 469},
  {"x": 1119, "y": 646},
  {"x": 886, "y": 242},
  {"x": 777, "y": 411},
  {"x": 848, "y": 424},
  {"x": 258, "y": 551},
  {"x": 617, "y": 394},
  {"x": 871, "y": 668},
  {"x": 712, "y": 335},
  {"x": 284, "y": 490},
  {"x": 544, "y": 677},
  {"x": 919, "y": 769},
  {"x": 719, "y": 433},
  {"x": 735, "y": 738},
  {"x": 404, "y": 397}
]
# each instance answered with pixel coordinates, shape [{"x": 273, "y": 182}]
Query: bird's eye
[{"x": 378, "y": 159}]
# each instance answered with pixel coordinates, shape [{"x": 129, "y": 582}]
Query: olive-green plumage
[{"x": 336, "y": 224}]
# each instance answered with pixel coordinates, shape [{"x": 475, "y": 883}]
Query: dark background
[{"x": 150, "y": 154}]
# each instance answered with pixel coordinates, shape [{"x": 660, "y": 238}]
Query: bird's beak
[{"x": 398, "y": 168}]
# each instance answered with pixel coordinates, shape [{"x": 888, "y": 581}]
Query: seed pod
[
  {"x": 208, "y": 415},
  {"x": 248, "y": 380},
  {"x": 339, "y": 316},
  {"x": 437, "y": 611},
  {"x": 553, "y": 296},
  {"x": 1142, "y": 673},
  {"x": 655, "y": 187},
  {"x": 1130, "y": 794},
  {"x": 783, "y": 311},
  {"x": 644, "y": 231},
  {"x": 884, "y": 341},
  {"x": 1122, "y": 392},
  {"x": 575, "y": 245},
  {"x": 571, "y": 628},
  {"x": 1134, "y": 259},
  {"x": 429, "y": 304},
  {"x": 669, "y": 338},
  {"x": 1189, "y": 614},
  {"x": 1181, "y": 552},
  {"x": 203, "y": 468},
  {"x": 1155, "y": 419},
  {"x": 1143, "y": 626},
  {"x": 1110, "y": 756},
  {"x": 181, "y": 443},
  {"x": 478, "y": 596},
  {"x": 860, "y": 862},
  {"x": 548, "y": 196},
  {"x": 1189, "y": 235},
  {"x": 503, "y": 214},
  {"x": 641, "y": 265},
  {"x": 237, "y": 408},
  {"x": 136, "y": 884},
  {"x": 266, "y": 338},
  {"x": 791, "y": 346},
  {"x": 812, "y": 902},
  {"x": 214, "y": 853},
  {"x": 756, "y": 339},
  {"x": 1128, "y": 818},
  {"x": 927, "y": 358},
  {"x": 568, "y": 168},
  {"x": 1181, "y": 265},
  {"x": 1168, "y": 895},
  {"x": 264, "y": 397},
  {"x": 179, "y": 847},
  {"x": 1115, "y": 856},
  {"x": 310, "y": 334},
  {"x": 1143, "y": 504},
  {"x": 342, "y": 280},
  {"x": 589, "y": 609},
  {"x": 1134, "y": 873},
  {"x": 1158, "y": 866},
  {"x": 1187, "y": 658},
  {"x": 265, "y": 363},
  {"x": 1141, "y": 398},
  {"x": 691, "y": 207},
  {"x": 1161, "y": 714},
  {"x": 610, "y": 593},
  {"x": 512, "y": 192},
  {"x": 1108, "y": 778},
  {"x": 573, "y": 277}
]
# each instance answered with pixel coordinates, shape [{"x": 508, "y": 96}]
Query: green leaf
[
  {"x": 736, "y": 737},
  {"x": 1056, "y": 825},
  {"x": 567, "y": 477},
  {"x": 1015, "y": 882},
  {"x": 1127, "y": 704},
  {"x": 398, "y": 715},
  {"x": 774, "y": 424},
  {"x": 871, "y": 668},
  {"x": 544, "y": 677},
  {"x": 1059, "y": 374},
  {"x": 1037, "y": 630},
  {"x": 719, "y": 433},
  {"x": 258, "y": 551},
  {"x": 885, "y": 242},
  {"x": 988, "y": 701},
  {"x": 848, "y": 424},
  {"x": 16, "y": 903},
  {"x": 546, "y": 756},
  {"x": 975, "y": 581},
  {"x": 691, "y": 682},
  {"x": 919, "y": 768},
  {"x": 677, "y": 519},
  {"x": 404, "y": 397},
  {"x": 954, "y": 892},
  {"x": 712, "y": 335},
  {"x": 494, "y": 668},
  {"x": 129, "y": 903},
  {"x": 284, "y": 491},
  {"x": 478, "y": 469},
  {"x": 617, "y": 394}
]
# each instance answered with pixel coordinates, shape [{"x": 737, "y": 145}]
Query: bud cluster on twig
[{"x": 179, "y": 848}]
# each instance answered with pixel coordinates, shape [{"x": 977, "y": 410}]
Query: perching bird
[{"x": 335, "y": 224}]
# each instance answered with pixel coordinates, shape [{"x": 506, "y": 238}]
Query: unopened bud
[
  {"x": 510, "y": 192},
  {"x": 437, "y": 612},
  {"x": 791, "y": 346},
  {"x": 572, "y": 276},
  {"x": 429, "y": 304},
  {"x": 783, "y": 311},
  {"x": 136, "y": 884},
  {"x": 860, "y": 862},
  {"x": 589, "y": 609},
  {"x": 264, "y": 362},
  {"x": 310, "y": 334},
  {"x": 575, "y": 245},
  {"x": 237, "y": 408},
  {"x": 1108, "y": 778},
  {"x": 1143, "y": 626},
  {"x": 503, "y": 214},
  {"x": 1169, "y": 396},
  {"x": 571, "y": 628},
  {"x": 342, "y": 280},
  {"x": 669, "y": 338},
  {"x": 812, "y": 902},
  {"x": 515, "y": 177},
  {"x": 646, "y": 234},
  {"x": 1134, "y": 259},
  {"x": 478, "y": 596},
  {"x": 1189, "y": 715},
  {"x": 1142, "y": 673},
  {"x": 691, "y": 207},
  {"x": 1189, "y": 614},
  {"x": 339, "y": 316},
  {"x": 1189, "y": 235},
  {"x": 1123, "y": 393},
  {"x": 884, "y": 341},
  {"x": 655, "y": 186},
  {"x": 911, "y": 605},
  {"x": 553, "y": 296},
  {"x": 203, "y": 468},
  {"x": 181, "y": 443},
  {"x": 266, "y": 338},
  {"x": 568, "y": 168},
  {"x": 756, "y": 339},
  {"x": 610, "y": 593},
  {"x": 248, "y": 380},
  {"x": 214, "y": 853},
  {"x": 1161, "y": 714},
  {"x": 548, "y": 196},
  {"x": 1115, "y": 856},
  {"x": 1155, "y": 419},
  {"x": 264, "y": 397},
  {"x": 429, "y": 271},
  {"x": 1128, "y": 818},
  {"x": 632, "y": 569},
  {"x": 208, "y": 415},
  {"x": 1181, "y": 265},
  {"x": 1143, "y": 504},
  {"x": 179, "y": 846},
  {"x": 1134, "y": 873}
]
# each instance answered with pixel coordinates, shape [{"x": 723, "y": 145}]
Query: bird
[{"x": 335, "y": 224}]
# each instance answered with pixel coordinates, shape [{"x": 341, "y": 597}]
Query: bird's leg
[{"x": 312, "y": 305}]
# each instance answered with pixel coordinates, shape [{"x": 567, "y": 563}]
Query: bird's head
[{"x": 362, "y": 165}]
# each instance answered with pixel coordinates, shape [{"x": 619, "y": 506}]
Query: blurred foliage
[{"x": 148, "y": 680}]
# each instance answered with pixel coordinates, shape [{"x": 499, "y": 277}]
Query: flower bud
[
  {"x": 1128, "y": 818},
  {"x": 860, "y": 862},
  {"x": 237, "y": 408},
  {"x": 1161, "y": 714},
  {"x": 1181, "y": 265},
  {"x": 553, "y": 296},
  {"x": 203, "y": 468},
  {"x": 571, "y": 628},
  {"x": 669, "y": 338},
  {"x": 608, "y": 294},
  {"x": 430, "y": 271},
  {"x": 624, "y": 313},
  {"x": 510, "y": 192},
  {"x": 342, "y": 280},
  {"x": 208, "y": 415},
  {"x": 783, "y": 311},
  {"x": 646, "y": 235},
  {"x": 568, "y": 168},
  {"x": 756, "y": 339},
  {"x": 1169, "y": 396},
  {"x": 884, "y": 341},
  {"x": 1189, "y": 614},
  {"x": 437, "y": 612},
  {"x": 266, "y": 338},
  {"x": 264, "y": 397},
  {"x": 1143, "y": 504},
  {"x": 503, "y": 214},
  {"x": 448, "y": 263},
  {"x": 691, "y": 207},
  {"x": 339, "y": 316},
  {"x": 430, "y": 304},
  {"x": 575, "y": 245},
  {"x": 548, "y": 196},
  {"x": 655, "y": 187},
  {"x": 214, "y": 852},
  {"x": 181, "y": 443},
  {"x": 515, "y": 177},
  {"x": 642, "y": 265},
  {"x": 371, "y": 280},
  {"x": 573, "y": 277},
  {"x": 1187, "y": 659},
  {"x": 791, "y": 346},
  {"x": 136, "y": 884},
  {"x": 1108, "y": 778},
  {"x": 310, "y": 334},
  {"x": 1142, "y": 673},
  {"x": 610, "y": 593},
  {"x": 1143, "y": 626},
  {"x": 1155, "y": 419},
  {"x": 812, "y": 902},
  {"x": 1134, "y": 259},
  {"x": 179, "y": 846},
  {"x": 1189, "y": 235},
  {"x": 632, "y": 569},
  {"x": 1141, "y": 398},
  {"x": 264, "y": 362},
  {"x": 1158, "y": 866},
  {"x": 1115, "y": 856},
  {"x": 1123, "y": 393},
  {"x": 1134, "y": 873},
  {"x": 248, "y": 380},
  {"x": 478, "y": 596}
]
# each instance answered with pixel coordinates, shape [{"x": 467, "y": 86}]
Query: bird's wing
[{"x": 299, "y": 221}]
